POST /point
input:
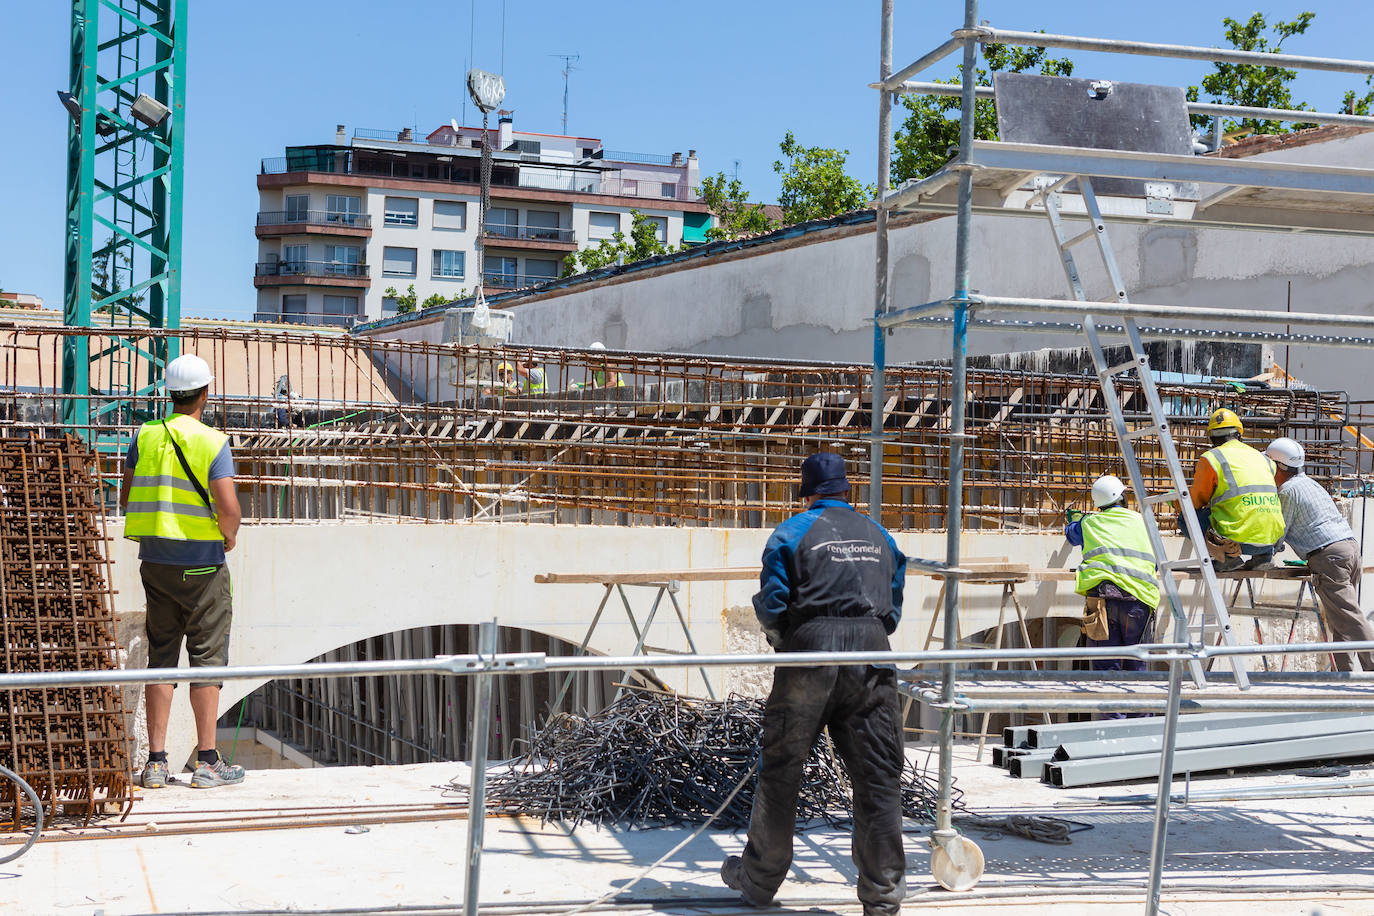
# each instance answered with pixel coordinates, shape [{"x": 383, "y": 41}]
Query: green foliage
[
  {"x": 1249, "y": 84},
  {"x": 107, "y": 270},
  {"x": 814, "y": 183},
  {"x": 1359, "y": 104},
  {"x": 729, "y": 203},
  {"x": 437, "y": 300},
  {"x": 642, "y": 243},
  {"x": 404, "y": 304},
  {"x": 930, "y": 134}
]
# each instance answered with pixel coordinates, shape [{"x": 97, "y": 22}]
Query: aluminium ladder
[{"x": 1213, "y": 616}]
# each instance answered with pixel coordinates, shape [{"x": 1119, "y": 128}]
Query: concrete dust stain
[{"x": 147, "y": 881}]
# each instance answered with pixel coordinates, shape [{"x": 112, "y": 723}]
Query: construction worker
[
  {"x": 604, "y": 377},
  {"x": 1117, "y": 575},
  {"x": 832, "y": 580},
  {"x": 531, "y": 377},
  {"x": 1317, "y": 532},
  {"x": 182, "y": 507},
  {"x": 1235, "y": 498},
  {"x": 517, "y": 378}
]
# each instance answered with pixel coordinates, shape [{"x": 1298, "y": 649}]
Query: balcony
[
  {"x": 310, "y": 273},
  {"x": 500, "y": 280},
  {"x": 530, "y": 237},
  {"x": 323, "y": 222},
  {"x": 314, "y": 319}
]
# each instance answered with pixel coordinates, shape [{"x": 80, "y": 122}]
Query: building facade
[{"x": 340, "y": 224}]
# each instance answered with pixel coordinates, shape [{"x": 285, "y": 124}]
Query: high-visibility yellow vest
[
  {"x": 599, "y": 380},
  {"x": 162, "y": 501},
  {"x": 533, "y": 387},
  {"x": 1116, "y": 549},
  {"x": 1245, "y": 505}
]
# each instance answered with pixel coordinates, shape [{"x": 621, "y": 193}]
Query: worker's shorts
[{"x": 194, "y": 603}]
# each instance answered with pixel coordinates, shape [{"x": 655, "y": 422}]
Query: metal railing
[
  {"x": 487, "y": 662},
  {"x": 314, "y": 218},
  {"x": 308, "y": 318},
  {"x": 616, "y": 155},
  {"x": 310, "y": 269},
  {"x": 529, "y": 233},
  {"x": 500, "y": 280}
]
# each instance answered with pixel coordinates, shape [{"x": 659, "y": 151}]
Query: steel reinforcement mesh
[
  {"x": 70, "y": 744},
  {"x": 337, "y": 427}
]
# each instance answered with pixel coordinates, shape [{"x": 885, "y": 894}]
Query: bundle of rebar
[
  {"x": 69, "y": 743},
  {"x": 655, "y": 759}
]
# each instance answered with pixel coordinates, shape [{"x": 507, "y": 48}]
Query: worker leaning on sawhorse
[
  {"x": 1235, "y": 498},
  {"x": 1117, "y": 576}
]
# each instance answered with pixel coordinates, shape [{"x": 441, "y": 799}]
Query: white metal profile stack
[{"x": 992, "y": 177}]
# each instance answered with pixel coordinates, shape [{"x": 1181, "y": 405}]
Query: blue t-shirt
[{"x": 174, "y": 552}]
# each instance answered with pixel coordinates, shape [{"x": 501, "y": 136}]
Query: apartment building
[{"x": 338, "y": 224}]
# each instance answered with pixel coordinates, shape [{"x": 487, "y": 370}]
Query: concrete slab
[{"x": 247, "y": 849}]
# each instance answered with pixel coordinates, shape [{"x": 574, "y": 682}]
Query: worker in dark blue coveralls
[
  {"x": 1117, "y": 575},
  {"x": 832, "y": 581}
]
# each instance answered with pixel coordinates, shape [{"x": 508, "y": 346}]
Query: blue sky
[{"x": 727, "y": 79}]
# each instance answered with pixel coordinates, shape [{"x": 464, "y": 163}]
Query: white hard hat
[
  {"x": 187, "y": 373},
  {"x": 598, "y": 345},
  {"x": 1287, "y": 452},
  {"x": 1107, "y": 490}
]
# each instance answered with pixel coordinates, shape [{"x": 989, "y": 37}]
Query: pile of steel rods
[{"x": 653, "y": 759}]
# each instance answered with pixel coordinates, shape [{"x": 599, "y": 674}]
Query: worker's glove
[
  {"x": 1073, "y": 515},
  {"x": 774, "y": 637}
]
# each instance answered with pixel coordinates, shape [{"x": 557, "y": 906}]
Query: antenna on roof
[{"x": 568, "y": 68}]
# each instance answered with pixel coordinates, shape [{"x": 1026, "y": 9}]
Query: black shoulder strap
[{"x": 187, "y": 468}]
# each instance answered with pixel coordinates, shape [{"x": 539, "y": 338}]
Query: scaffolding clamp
[{"x": 513, "y": 661}]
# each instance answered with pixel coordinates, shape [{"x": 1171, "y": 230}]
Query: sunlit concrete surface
[{"x": 224, "y": 850}]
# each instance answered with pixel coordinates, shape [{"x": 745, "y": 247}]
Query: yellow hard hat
[
  {"x": 507, "y": 367},
  {"x": 1222, "y": 418}
]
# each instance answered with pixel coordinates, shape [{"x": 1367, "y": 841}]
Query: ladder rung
[
  {"x": 1082, "y": 237},
  {"x": 1123, "y": 367},
  {"x": 1143, "y": 431},
  {"x": 1190, "y": 563},
  {"x": 1166, "y": 497}
]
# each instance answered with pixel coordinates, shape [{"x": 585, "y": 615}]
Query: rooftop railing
[
  {"x": 512, "y": 280},
  {"x": 309, "y": 269},
  {"x": 529, "y": 233},
  {"x": 648, "y": 158}
]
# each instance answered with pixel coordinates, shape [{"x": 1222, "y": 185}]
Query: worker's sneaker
[
  {"x": 208, "y": 776},
  {"x": 155, "y": 774},
  {"x": 732, "y": 873}
]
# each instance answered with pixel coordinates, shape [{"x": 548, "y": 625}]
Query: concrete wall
[
  {"x": 301, "y": 590},
  {"x": 813, "y": 300}
]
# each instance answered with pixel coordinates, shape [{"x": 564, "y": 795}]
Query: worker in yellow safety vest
[
  {"x": 1117, "y": 575},
  {"x": 605, "y": 377},
  {"x": 1236, "y": 498},
  {"x": 182, "y": 507},
  {"x": 518, "y": 378}
]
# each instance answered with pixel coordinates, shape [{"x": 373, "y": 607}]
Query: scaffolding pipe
[
  {"x": 992, "y": 36},
  {"x": 934, "y": 57},
  {"x": 944, "y": 828},
  {"x": 1147, "y": 332},
  {"x": 1292, "y": 115},
  {"x": 477, "y": 798},
  {"x": 875, "y": 445}
]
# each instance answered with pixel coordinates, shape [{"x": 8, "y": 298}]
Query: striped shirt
[{"x": 1310, "y": 517}]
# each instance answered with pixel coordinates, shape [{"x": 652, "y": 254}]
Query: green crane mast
[{"x": 127, "y": 101}]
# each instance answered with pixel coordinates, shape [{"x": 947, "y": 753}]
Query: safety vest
[
  {"x": 599, "y": 380},
  {"x": 1245, "y": 505},
  {"x": 162, "y": 501},
  {"x": 1116, "y": 549},
  {"x": 534, "y": 387}
]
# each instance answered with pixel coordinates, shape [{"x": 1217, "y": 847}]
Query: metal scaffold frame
[
  {"x": 124, "y": 186},
  {"x": 1006, "y": 167}
]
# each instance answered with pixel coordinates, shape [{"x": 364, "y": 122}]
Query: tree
[
  {"x": 930, "y": 133},
  {"x": 1250, "y": 84},
  {"x": 439, "y": 299},
  {"x": 1359, "y": 105},
  {"x": 814, "y": 183},
  {"x": 642, "y": 243},
  {"x": 404, "y": 304},
  {"x": 729, "y": 202},
  {"x": 108, "y": 265}
]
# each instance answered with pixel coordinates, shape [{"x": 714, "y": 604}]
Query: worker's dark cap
[{"x": 823, "y": 475}]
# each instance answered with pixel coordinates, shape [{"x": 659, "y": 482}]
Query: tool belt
[
  {"x": 1095, "y": 618},
  {"x": 1221, "y": 548}
]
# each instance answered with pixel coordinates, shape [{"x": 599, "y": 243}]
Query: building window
[
  {"x": 602, "y": 225},
  {"x": 503, "y": 222},
  {"x": 342, "y": 208},
  {"x": 293, "y": 258},
  {"x": 541, "y": 224},
  {"x": 297, "y": 208},
  {"x": 500, "y": 272},
  {"x": 293, "y": 304},
  {"x": 342, "y": 260},
  {"x": 402, "y": 211},
  {"x": 450, "y": 214},
  {"x": 398, "y": 262},
  {"x": 340, "y": 310},
  {"x": 670, "y": 189},
  {"x": 448, "y": 265},
  {"x": 537, "y": 269},
  {"x": 660, "y": 224}
]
